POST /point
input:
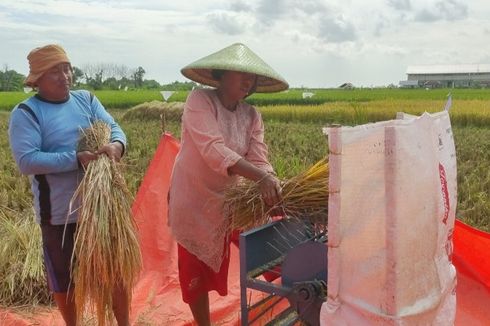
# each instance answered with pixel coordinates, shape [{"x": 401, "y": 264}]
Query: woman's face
[
  {"x": 237, "y": 85},
  {"x": 55, "y": 83}
]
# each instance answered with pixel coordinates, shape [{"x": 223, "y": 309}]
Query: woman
[
  {"x": 43, "y": 134},
  {"x": 222, "y": 139}
]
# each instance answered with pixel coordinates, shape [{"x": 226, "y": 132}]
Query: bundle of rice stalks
[
  {"x": 22, "y": 277},
  {"x": 304, "y": 197},
  {"x": 106, "y": 255},
  {"x": 154, "y": 110}
]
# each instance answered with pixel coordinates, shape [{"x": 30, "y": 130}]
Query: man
[{"x": 44, "y": 133}]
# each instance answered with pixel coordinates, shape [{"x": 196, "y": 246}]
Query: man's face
[{"x": 55, "y": 83}]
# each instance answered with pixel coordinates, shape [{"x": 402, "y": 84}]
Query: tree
[
  {"x": 121, "y": 71},
  {"x": 96, "y": 81},
  {"x": 11, "y": 80},
  {"x": 78, "y": 75},
  {"x": 111, "y": 83},
  {"x": 137, "y": 76},
  {"x": 151, "y": 84},
  {"x": 180, "y": 86},
  {"x": 96, "y": 73},
  {"x": 111, "y": 75}
]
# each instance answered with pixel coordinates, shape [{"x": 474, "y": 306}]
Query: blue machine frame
[{"x": 263, "y": 249}]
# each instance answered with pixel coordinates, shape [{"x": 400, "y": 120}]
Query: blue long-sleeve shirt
[{"x": 44, "y": 137}]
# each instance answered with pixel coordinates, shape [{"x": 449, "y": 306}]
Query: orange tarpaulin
[
  {"x": 472, "y": 261},
  {"x": 157, "y": 298}
]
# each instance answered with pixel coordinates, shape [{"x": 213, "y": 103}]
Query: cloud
[
  {"x": 284, "y": 17},
  {"x": 240, "y": 6},
  {"x": 282, "y": 9},
  {"x": 227, "y": 23},
  {"x": 381, "y": 23},
  {"x": 452, "y": 9},
  {"x": 402, "y": 5},
  {"x": 269, "y": 11},
  {"x": 426, "y": 16},
  {"x": 315, "y": 18},
  {"x": 449, "y": 10},
  {"x": 337, "y": 30},
  {"x": 313, "y": 7}
]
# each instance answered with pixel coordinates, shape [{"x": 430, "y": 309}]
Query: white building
[{"x": 470, "y": 75}]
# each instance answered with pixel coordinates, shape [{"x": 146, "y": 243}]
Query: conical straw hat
[{"x": 236, "y": 57}]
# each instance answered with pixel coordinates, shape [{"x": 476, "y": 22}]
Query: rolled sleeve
[{"x": 199, "y": 121}]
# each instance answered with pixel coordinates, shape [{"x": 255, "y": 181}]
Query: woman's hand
[
  {"x": 112, "y": 150},
  {"x": 270, "y": 189},
  {"x": 269, "y": 185}
]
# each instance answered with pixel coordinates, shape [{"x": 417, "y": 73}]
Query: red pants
[{"x": 196, "y": 278}]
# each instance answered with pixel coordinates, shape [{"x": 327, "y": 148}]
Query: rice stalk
[
  {"x": 106, "y": 256},
  {"x": 304, "y": 197},
  {"x": 22, "y": 276}
]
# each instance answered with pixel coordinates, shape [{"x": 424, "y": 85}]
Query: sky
[{"x": 311, "y": 43}]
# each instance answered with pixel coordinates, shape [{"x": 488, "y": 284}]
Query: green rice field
[{"x": 293, "y": 132}]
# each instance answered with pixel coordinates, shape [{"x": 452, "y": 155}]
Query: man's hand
[
  {"x": 112, "y": 150},
  {"x": 85, "y": 157}
]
